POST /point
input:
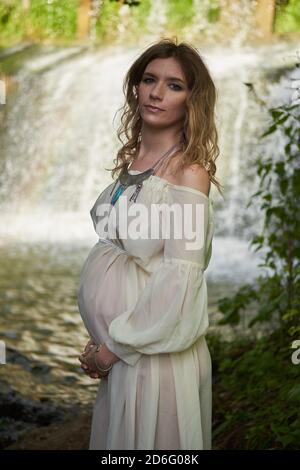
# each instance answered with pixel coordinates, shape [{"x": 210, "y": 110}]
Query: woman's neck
[{"x": 151, "y": 152}]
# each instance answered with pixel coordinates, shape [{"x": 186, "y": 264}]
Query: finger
[
  {"x": 94, "y": 376},
  {"x": 88, "y": 344},
  {"x": 86, "y": 352},
  {"x": 81, "y": 358}
]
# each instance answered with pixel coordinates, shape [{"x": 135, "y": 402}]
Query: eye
[
  {"x": 173, "y": 84},
  {"x": 178, "y": 87}
]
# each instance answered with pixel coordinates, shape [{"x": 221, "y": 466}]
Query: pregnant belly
[{"x": 107, "y": 287}]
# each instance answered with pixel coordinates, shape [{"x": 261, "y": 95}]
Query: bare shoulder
[{"x": 196, "y": 177}]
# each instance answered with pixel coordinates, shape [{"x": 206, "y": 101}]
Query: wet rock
[
  {"x": 13, "y": 356},
  {"x": 20, "y": 414}
]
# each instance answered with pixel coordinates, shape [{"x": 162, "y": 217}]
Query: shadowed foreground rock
[
  {"x": 35, "y": 425},
  {"x": 72, "y": 434}
]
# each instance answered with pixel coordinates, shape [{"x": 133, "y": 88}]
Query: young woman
[{"x": 143, "y": 299}]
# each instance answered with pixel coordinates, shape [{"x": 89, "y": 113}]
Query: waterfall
[{"x": 58, "y": 136}]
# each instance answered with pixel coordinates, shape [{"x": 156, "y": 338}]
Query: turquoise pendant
[
  {"x": 126, "y": 180},
  {"x": 117, "y": 194}
]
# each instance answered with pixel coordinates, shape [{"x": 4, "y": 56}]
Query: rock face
[
  {"x": 29, "y": 424},
  {"x": 70, "y": 434}
]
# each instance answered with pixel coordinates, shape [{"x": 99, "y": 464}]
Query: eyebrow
[{"x": 168, "y": 78}]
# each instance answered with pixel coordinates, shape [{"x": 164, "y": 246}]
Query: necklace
[{"x": 126, "y": 179}]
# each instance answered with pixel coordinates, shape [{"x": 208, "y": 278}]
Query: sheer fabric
[{"x": 147, "y": 300}]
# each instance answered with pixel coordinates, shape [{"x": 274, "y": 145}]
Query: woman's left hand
[
  {"x": 88, "y": 358},
  {"x": 88, "y": 364},
  {"x": 104, "y": 358}
]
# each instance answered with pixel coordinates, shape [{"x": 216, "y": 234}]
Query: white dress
[{"x": 147, "y": 300}]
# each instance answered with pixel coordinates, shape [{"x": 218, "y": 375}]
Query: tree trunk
[
  {"x": 265, "y": 17},
  {"x": 83, "y": 19}
]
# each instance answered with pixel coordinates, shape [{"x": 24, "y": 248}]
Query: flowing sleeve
[{"x": 171, "y": 312}]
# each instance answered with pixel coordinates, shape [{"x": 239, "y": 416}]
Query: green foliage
[
  {"x": 256, "y": 384},
  {"x": 214, "y": 11},
  {"x": 287, "y": 18},
  {"x": 277, "y": 295},
  {"x": 256, "y": 394},
  {"x": 231, "y": 307},
  {"x": 54, "y": 19},
  {"x": 139, "y": 17},
  {"x": 179, "y": 13},
  {"x": 107, "y": 24},
  {"x": 12, "y": 24},
  {"x": 111, "y": 23}
]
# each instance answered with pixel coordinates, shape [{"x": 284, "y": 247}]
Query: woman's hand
[
  {"x": 90, "y": 369},
  {"x": 104, "y": 358},
  {"x": 89, "y": 345}
]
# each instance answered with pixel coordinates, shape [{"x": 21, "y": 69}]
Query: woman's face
[{"x": 158, "y": 89}]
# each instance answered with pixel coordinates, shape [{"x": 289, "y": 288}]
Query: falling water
[{"x": 59, "y": 137}]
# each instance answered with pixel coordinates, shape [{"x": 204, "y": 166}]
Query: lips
[{"x": 153, "y": 107}]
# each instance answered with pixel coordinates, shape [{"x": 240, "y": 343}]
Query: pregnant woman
[{"x": 142, "y": 292}]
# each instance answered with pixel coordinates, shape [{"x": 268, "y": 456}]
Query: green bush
[
  {"x": 277, "y": 294},
  {"x": 256, "y": 394}
]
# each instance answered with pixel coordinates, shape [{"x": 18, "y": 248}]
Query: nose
[{"x": 156, "y": 92}]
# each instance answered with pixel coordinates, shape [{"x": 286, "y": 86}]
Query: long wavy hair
[{"x": 200, "y": 137}]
